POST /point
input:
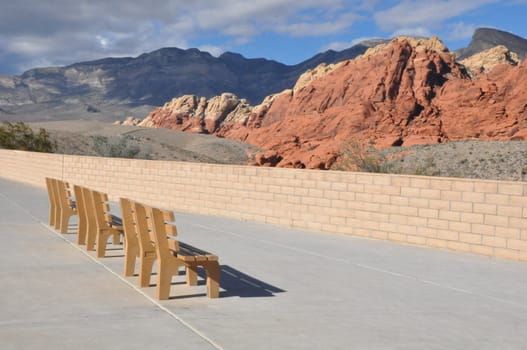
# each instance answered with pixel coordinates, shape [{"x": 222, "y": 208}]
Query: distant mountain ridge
[
  {"x": 151, "y": 79},
  {"x": 112, "y": 88},
  {"x": 487, "y": 38}
]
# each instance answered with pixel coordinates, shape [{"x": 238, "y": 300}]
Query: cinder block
[
  {"x": 493, "y": 241},
  {"x": 496, "y": 220},
  {"x": 473, "y": 197},
  {"x": 486, "y": 187},
  {"x": 389, "y": 209},
  {"x": 506, "y": 253},
  {"x": 391, "y": 190},
  {"x": 458, "y": 246},
  {"x": 428, "y": 213},
  {"x": 459, "y": 226},
  {"x": 436, "y": 243},
  {"x": 462, "y": 186},
  {"x": 511, "y": 189},
  {"x": 482, "y": 249},
  {"x": 330, "y": 194},
  {"x": 472, "y": 218},
  {"x": 448, "y": 235},
  {"x": 417, "y": 221},
  {"x": 397, "y": 237},
  {"x": 416, "y": 240},
  {"x": 420, "y": 182},
  {"x": 410, "y": 192},
  {"x": 376, "y": 234},
  {"x": 483, "y": 229},
  {"x": 381, "y": 198},
  {"x": 417, "y": 202},
  {"x": 461, "y": 206},
  {"x": 508, "y": 232},
  {"x": 397, "y": 200},
  {"x": 355, "y": 187},
  {"x": 485, "y": 208},
  {"x": 399, "y": 219},
  {"x": 439, "y": 224},
  {"x": 517, "y": 244},
  {"x": 364, "y": 178},
  {"x": 514, "y": 212},
  {"x": 408, "y": 211},
  {"x": 451, "y": 195},
  {"x": 519, "y": 201},
  {"x": 439, "y": 204},
  {"x": 430, "y": 193},
  {"x": 470, "y": 238},
  {"x": 400, "y": 181},
  {"x": 491, "y": 198},
  {"x": 440, "y": 184},
  {"x": 388, "y": 227}
]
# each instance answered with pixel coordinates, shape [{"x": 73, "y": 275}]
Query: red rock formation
[{"x": 403, "y": 93}]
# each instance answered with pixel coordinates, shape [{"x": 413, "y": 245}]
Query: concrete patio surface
[{"x": 281, "y": 289}]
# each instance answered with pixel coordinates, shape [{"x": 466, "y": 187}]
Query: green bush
[{"x": 20, "y": 136}]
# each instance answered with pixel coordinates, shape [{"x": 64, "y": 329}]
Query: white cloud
[
  {"x": 213, "y": 50},
  {"x": 417, "y": 31},
  {"x": 342, "y": 45},
  {"x": 460, "y": 31},
  {"x": 63, "y": 31},
  {"x": 424, "y": 13}
]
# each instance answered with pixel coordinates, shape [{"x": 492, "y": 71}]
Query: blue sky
[{"x": 60, "y": 32}]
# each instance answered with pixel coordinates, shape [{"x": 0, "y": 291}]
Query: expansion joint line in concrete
[{"x": 152, "y": 300}]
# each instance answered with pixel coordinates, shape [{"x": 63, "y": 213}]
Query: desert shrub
[
  {"x": 355, "y": 156},
  {"x": 117, "y": 148},
  {"x": 20, "y": 136}
]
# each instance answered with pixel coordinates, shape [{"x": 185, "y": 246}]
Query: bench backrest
[
  {"x": 53, "y": 203},
  {"x": 129, "y": 224},
  {"x": 142, "y": 228},
  {"x": 62, "y": 191},
  {"x": 82, "y": 212},
  {"x": 158, "y": 224},
  {"x": 101, "y": 209}
]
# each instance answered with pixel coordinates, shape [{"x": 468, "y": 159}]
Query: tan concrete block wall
[{"x": 482, "y": 217}]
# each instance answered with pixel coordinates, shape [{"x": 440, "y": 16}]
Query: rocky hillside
[
  {"x": 103, "y": 88},
  {"x": 407, "y": 92}
]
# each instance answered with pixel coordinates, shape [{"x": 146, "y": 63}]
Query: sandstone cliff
[
  {"x": 407, "y": 92},
  {"x": 485, "y": 61}
]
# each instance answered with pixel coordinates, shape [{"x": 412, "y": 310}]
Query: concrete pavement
[{"x": 281, "y": 288}]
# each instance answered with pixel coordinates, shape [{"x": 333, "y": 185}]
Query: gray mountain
[
  {"x": 111, "y": 87},
  {"x": 486, "y": 38}
]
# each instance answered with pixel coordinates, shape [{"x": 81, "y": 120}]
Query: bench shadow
[{"x": 236, "y": 283}]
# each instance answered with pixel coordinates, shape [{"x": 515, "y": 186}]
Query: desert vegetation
[{"x": 20, "y": 136}]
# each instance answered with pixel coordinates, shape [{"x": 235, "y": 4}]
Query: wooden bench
[
  {"x": 62, "y": 206},
  {"x": 152, "y": 227},
  {"x": 82, "y": 229},
  {"x": 139, "y": 246},
  {"x": 101, "y": 224}
]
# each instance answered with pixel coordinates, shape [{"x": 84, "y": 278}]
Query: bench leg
[
  {"x": 90, "y": 238},
  {"x": 102, "y": 239},
  {"x": 145, "y": 271},
  {"x": 116, "y": 238},
  {"x": 212, "y": 269},
  {"x": 52, "y": 215},
  {"x": 164, "y": 281},
  {"x": 81, "y": 232},
  {"x": 192, "y": 275},
  {"x": 130, "y": 255},
  {"x": 64, "y": 219}
]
